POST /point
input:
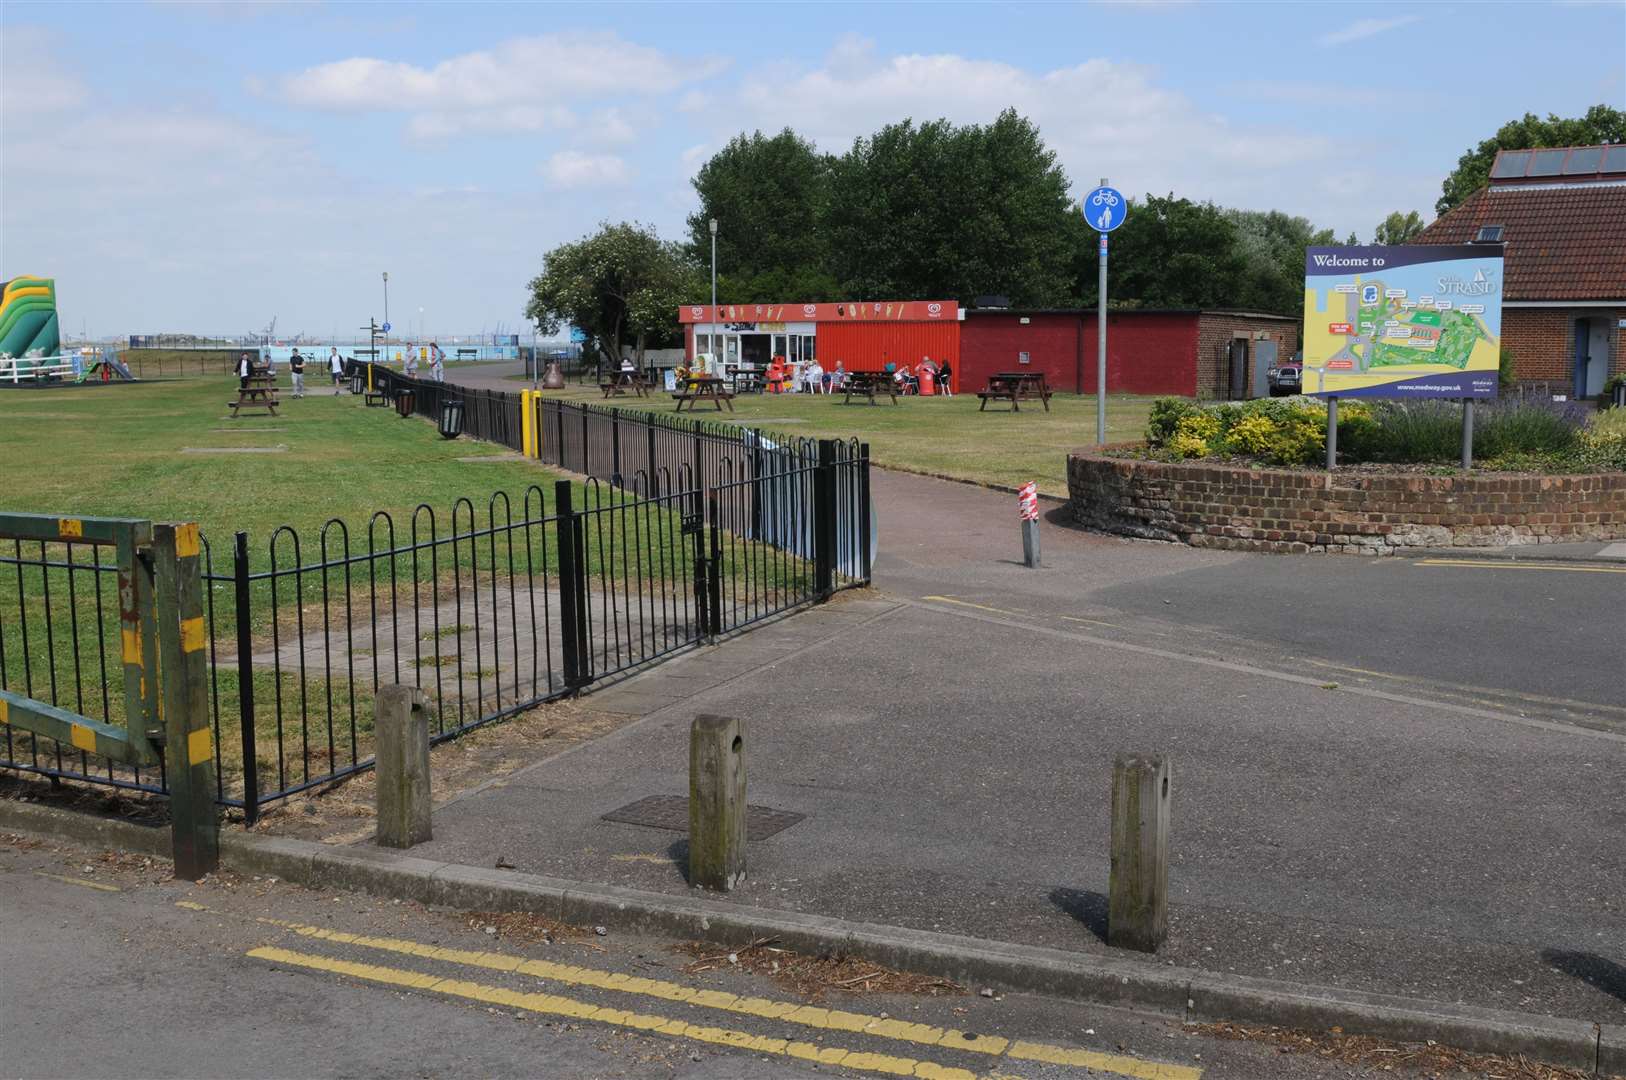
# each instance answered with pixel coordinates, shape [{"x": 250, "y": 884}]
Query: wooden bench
[
  {"x": 709, "y": 389},
  {"x": 1015, "y": 387},
  {"x": 868, "y": 384}
]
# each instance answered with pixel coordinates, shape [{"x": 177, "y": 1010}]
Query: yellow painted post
[
  {"x": 369, "y": 376},
  {"x": 527, "y": 424},
  {"x": 183, "y": 638}
]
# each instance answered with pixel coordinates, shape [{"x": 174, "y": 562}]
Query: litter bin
[
  {"x": 1618, "y": 397},
  {"x": 403, "y": 402},
  {"x": 451, "y": 417}
]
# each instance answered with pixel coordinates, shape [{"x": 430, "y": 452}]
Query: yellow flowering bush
[{"x": 1252, "y": 434}]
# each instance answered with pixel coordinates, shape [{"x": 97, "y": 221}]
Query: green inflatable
[{"x": 28, "y": 323}]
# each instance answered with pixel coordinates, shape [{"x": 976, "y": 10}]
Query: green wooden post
[{"x": 183, "y": 641}]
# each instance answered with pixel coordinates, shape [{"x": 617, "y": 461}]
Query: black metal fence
[{"x": 681, "y": 532}]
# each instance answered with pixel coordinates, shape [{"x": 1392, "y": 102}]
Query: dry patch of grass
[
  {"x": 812, "y": 977},
  {"x": 1430, "y": 1059}
]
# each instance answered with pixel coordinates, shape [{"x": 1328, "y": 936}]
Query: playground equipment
[{"x": 28, "y": 322}]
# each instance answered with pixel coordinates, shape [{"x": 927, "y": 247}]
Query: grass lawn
[
  {"x": 939, "y": 436},
  {"x": 118, "y": 451}
]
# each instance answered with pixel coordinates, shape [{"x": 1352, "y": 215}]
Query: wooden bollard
[
  {"x": 1138, "y": 907},
  {"x": 401, "y": 727},
  {"x": 717, "y": 802}
]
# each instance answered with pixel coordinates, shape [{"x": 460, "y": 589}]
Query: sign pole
[
  {"x": 1467, "y": 434},
  {"x": 1101, "y": 343}
]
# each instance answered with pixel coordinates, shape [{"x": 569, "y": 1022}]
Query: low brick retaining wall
[{"x": 1291, "y": 511}]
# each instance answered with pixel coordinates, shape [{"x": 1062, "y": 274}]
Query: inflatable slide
[{"x": 28, "y": 323}]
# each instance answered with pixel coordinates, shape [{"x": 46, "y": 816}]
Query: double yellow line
[
  {"x": 788, "y": 1012},
  {"x": 1521, "y": 564}
]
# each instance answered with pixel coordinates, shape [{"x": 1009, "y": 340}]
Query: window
[
  {"x": 1488, "y": 234},
  {"x": 1024, "y": 358}
]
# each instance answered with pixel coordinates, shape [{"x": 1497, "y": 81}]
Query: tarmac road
[{"x": 111, "y": 969}]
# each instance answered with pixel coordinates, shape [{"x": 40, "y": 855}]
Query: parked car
[{"x": 1286, "y": 376}]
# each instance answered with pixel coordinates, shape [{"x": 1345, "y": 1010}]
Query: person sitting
[
  {"x": 813, "y": 377},
  {"x": 945, "y": 379},
  {"x": 905, "y": 378}
]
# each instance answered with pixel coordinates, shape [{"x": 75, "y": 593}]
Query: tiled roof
[{"x": 1564, "y": 242}]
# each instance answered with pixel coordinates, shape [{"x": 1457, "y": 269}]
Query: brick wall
[
  {"x": 1282, "y": 510},
  {"x": 1214, "y": 334},
  {"x": 1542, "y": 341}
]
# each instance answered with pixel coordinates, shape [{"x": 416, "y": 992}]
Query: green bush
[
  {"x": 1165, "y": 417},
  {"x": 1609, "y": 385},
  {"x": 1414, "y": 431},
  {"x": 1511, "y": 426},
  {"x": 1506, "y": 378}
]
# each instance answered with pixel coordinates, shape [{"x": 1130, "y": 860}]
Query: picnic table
[
  {"x": 744, "y": 380},
  {"x": 260, "y": 393},
  {"x": 625, "y": 382},
  {"x": 703, "y": 388},
  {"x": 869, "y": 383},
  {"x": 1015, "y": 387}
]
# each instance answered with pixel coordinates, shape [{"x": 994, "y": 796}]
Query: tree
[
  {"x": 1271, "y": 245},
  {"x": 1174, "y": 253},
  {"x": 1398, "y": 228},
  {"x": 621, "y": 284},
  {"x": 1601, "y": 124},
  {"x": 769, "y": 197},
  {"x": 937, "y": 210}
]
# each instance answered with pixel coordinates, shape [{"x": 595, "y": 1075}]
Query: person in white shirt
[
  {"x": 437, "y": 362},
  {"x": 335, "y": 367},
  {"x": 813, "y": 376},
  {"x": 245, "y": 368},
  {"x": 409, "y": 362}
]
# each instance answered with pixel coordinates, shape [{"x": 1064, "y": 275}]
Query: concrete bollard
[
  {"x": 716, "y": 802},
  {"x": 401, "y": 728},
  {"x": 1138, "y": 904}
]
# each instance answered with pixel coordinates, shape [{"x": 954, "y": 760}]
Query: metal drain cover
[{"x": 671, "y": 812}]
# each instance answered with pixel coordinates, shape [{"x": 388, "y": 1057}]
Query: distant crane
[{"x": 271, "y": 330}]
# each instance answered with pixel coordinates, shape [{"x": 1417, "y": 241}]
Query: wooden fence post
[
  {"x": 1138, "y": 907},
  {"x": 401, "y": 727},
  {"x": 716, "y": 802},
  {"x": 183, "y": 678}
]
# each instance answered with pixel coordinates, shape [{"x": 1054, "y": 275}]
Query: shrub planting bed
[{"x": 1238, "y": 476}]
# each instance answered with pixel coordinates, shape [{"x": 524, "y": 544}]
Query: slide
[{"x": 28, "y": 323}]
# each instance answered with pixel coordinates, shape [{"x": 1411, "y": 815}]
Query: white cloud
[
  {"x": 34, "y": 85},
  {"x": 574, "y": 169},
  {"x": 1152, "y": 139},
  {"x": 610, "y": 127},
  {"x": 1365, "y": 28},
  {"x": 516, "y": 86}
]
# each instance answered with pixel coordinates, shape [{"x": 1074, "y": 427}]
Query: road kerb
[{"x": 1190, "y": 994}]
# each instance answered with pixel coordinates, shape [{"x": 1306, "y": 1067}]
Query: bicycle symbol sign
[{"x": 1105, "y": 209}]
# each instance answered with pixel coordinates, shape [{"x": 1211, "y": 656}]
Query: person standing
[
  {"x": 245, "y": 368},
  {"x": 409, "y": 362},
  {"x": 335, "y": 367},
  {"x": 270, "y": 365},
  {"x": 296, "y": 365},
  {"x": 437, "y": 362}
]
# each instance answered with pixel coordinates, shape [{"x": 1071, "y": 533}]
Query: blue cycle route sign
[
  {"x": 385, "y": 328},
  {"x": 1105, "y": 209}
]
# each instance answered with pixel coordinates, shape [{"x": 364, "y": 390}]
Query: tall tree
[
  {"x": 1601, "y": 124},
  {"x": 1174, "y": 253},
  {"x": 1398, "y": 228},
  {"x": 769, "y": 196},
  {"x": 621, "y": 285},
  {"x": 1271, "y": 245},
  {"x": 936, "y": 210}
]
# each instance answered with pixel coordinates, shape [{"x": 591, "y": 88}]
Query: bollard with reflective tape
[{"x": 1027, "y": 497}]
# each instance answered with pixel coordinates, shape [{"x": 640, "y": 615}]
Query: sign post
[{"x": 1105, "y": 210}]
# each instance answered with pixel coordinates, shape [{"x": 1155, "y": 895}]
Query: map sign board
[{"x": 1409, "y": 321}]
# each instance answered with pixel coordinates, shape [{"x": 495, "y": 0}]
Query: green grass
[
  {"x": 116, "y": 451},
  {"x": 938, "y": 436}
]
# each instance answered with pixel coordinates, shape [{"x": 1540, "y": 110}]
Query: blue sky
[{"x": 205, "y": 166}]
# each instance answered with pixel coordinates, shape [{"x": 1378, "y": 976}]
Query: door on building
[
  {"x": 754, "y": 349},
  {"x": 1591, "y": 356},
  {"x": 1238, "y": 373}
]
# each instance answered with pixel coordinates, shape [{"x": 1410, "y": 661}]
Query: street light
[
  {"x": 713, "y": 335},
  {"x": 386, "y": 298},
  {"x": 420, "y": 324}
]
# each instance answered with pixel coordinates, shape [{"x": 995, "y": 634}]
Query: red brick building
[
  {"x": 1562, "y": 215},
  {"x": 1209, "y": 354}
]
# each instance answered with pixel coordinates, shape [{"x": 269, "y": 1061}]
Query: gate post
[
  {"x": 1138, "y": 890},
  {"x": 714, "y": 571},
  {"x": 716, "y": 802},
  {"x": 245, "y": 681},
  {"x": 824, "y": 521},
  {"x": 189, "y": 757},
  {"x": 615, "y": 448},
  {"x": 572, "y": 589},
  {"x": 864, "y": 522}
]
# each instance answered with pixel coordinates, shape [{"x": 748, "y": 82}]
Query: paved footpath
[{"x": 1341, "y": 816}]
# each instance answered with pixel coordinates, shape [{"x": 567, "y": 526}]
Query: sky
[{"x": 204, "y": 167}]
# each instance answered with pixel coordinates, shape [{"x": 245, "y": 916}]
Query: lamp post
[
  {"x": 386, "y": 298},
  {"x": 713, "y": 335},
  {"x": 420, "y": 324}
]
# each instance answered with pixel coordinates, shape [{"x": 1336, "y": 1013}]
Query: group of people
[
  {"x": 805, "y": 376},
  {"x": 266, "y": 364},
  {"x": 939, "y": 376},
  {"x": 247, "y": 367}
]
